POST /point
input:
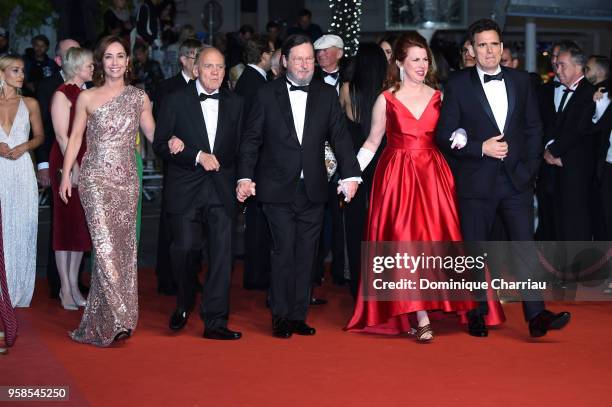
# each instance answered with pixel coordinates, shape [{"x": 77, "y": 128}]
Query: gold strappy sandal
[{"x": 424, "y": 333}]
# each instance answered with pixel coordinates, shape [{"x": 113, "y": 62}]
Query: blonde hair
[
  {"x": 74, "y": 60},
  {"x": 5, "y": 62}
]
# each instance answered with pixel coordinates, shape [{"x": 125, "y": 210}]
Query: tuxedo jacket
[
  {"x": 572, "y": 132},
  {"x": 181, "y": 115},
  {"x": 44, "y": 93},
  {"x": 465, "y": 105},
  {"x": 248, "y": 84},
  {"x": 272, "y": 155},
  {"x": 166, "y": 87}
]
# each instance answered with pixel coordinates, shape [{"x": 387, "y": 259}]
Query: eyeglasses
[{"x": 301, "y": 60}]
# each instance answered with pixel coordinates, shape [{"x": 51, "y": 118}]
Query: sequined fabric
[
  {"x": 19, "y": 198},
  {"x": 108, "y": 187}
]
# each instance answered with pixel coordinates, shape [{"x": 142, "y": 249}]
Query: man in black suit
[
  {"x": 163, "y": 269},
  {"x": 44, "y": 92},
  {"x": 283, "y": 151},
  {"x": 257, "y": 56},
  {"x": 570, "y": 152},
  {"x": 495, "y": 170},
  {"x": 200, "y": 188}
]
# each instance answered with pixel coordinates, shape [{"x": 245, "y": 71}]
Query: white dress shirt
[
  {"x": 261, "y": 71},
  {"x": 558, "y": 93},
  {"x": 497, "y": 97},
  {"x": 569, "y": 95},
  {"x": 558, "y": 96},
  {"x": 331, "y": 81},
  {"x": 298, "y": 99},
  {"x": 210, "y": 111},
  {"x": 187, "y": 78}
]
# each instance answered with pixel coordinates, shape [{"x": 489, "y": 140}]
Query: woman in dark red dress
[
  {"x": 413, "y": 192},
  {"x": 70, "y": 234}
]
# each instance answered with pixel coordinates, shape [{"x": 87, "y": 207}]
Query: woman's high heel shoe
[
  {"x": 81, "y": 303},
  {"x": 68, "y": 306},
  {"x": 424, "y": 333}
]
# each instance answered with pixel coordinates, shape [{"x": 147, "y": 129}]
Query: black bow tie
[
  {"x": 497, "y": 77},
  {"x": 568, "y": 90},
  {"x": 557, "y": 84},
  {"x": 293, "y": 87},
  {"x": 332, "y": 74},
  {"x": 204, "y": 96}
]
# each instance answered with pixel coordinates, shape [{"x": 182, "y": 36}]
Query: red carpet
[{"x": 333, "y": 368}]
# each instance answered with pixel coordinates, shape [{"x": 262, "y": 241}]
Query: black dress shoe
[
  {"x": 301, "y": 328},
  {"x": 317, "y": 301},
  {"x": 545, "y": 320},
  {"x": 222, "y": 334},
  {"x": 281, "y": 328},
  {"x": 476, "y": 326},
  {"x": 178, "y": 319}
]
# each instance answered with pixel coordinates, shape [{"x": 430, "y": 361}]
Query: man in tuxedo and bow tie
[
  {"x": 283, "y": 152},
  {"x": 200, "y": 188},
  {"x": 496, "y": 169}
]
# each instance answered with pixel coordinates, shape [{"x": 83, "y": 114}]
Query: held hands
[
  {"x": 552, "y": 160},
  {"x": 12, "y": 153},
  {"x": 348, "y": 188},
  {"x": 176, "y": 145},
  {"x": 495, "y": 147},
  {"x": 245, "y": 189},
  {"x": 458, "y": 138},
  {"x": 65, "y": 189},
  {"x": 17, "y": 151},
  {"x": 209, "y": 162}
]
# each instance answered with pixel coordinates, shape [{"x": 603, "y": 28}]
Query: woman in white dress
[{"x": 18, "y": 189}]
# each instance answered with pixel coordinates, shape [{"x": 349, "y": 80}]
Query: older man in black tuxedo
[{"x": 199, "y": 188}]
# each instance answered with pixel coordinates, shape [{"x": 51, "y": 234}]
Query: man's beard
[{"x": 300, "y": 82}]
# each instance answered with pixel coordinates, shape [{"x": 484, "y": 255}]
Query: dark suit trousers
[
  {"x": 516, "y": 212},
  {"x": 295, "y": 228},
  {"x": 163, "y": 268},
  {"x": 256, "y": 247},
  {"x": 605, "y": 197},
  {"x": 185, "y": 252}
]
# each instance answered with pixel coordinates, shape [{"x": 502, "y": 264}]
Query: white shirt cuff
[
  {"x": 549, "y": 143},
  {"x": 43, "y": 166},
  {"x": 197, "y": 161},
  {"x": 357, "y": 179},
  {"x": 243, "y": 179}
]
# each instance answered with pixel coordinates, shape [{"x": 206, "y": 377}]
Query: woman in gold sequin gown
[{"x": 108, "y": 185}]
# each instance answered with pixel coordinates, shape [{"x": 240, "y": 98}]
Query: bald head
[
  {"x": 210, "y": 68},
  {"x": 62, "y": 48}
]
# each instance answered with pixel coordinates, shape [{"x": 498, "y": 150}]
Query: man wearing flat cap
[{"x": 329, "y": 51}]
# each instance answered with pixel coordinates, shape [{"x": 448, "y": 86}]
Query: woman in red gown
[
  {"x": 70, "y": 232},
  {"x": 413, "y": 192}
]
